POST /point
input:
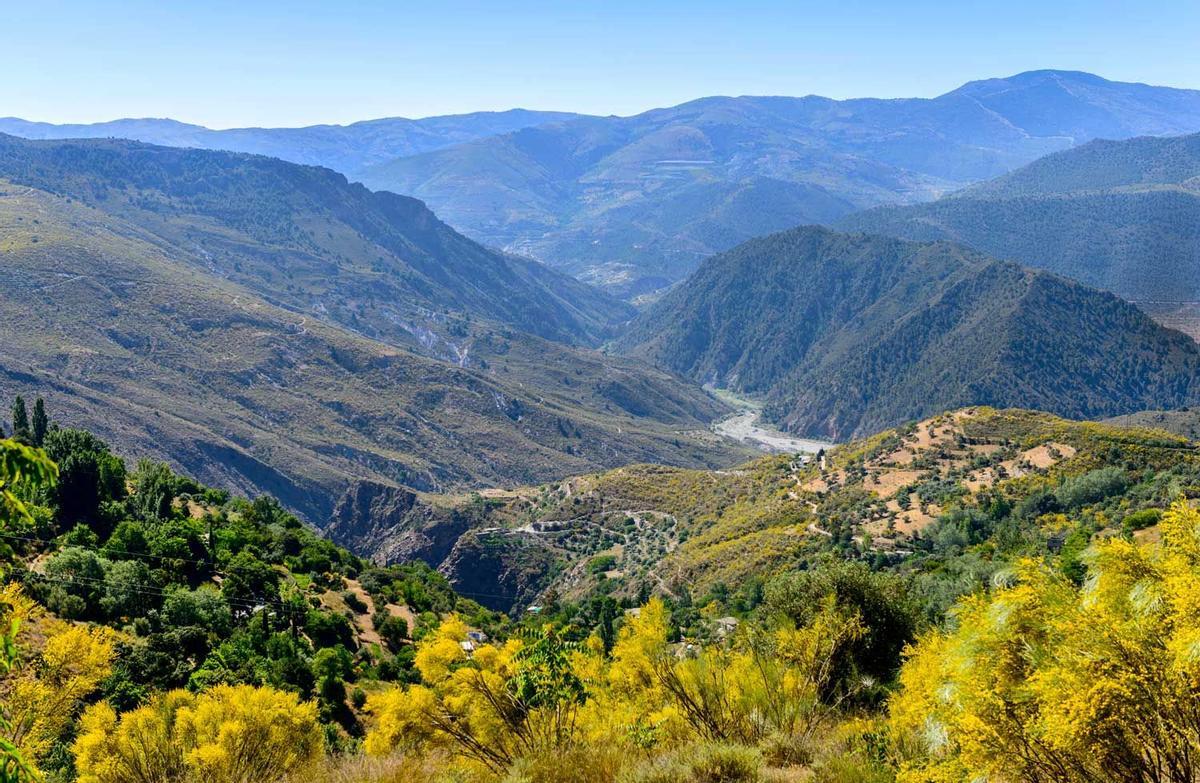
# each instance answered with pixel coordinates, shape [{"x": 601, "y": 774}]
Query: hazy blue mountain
[
  {"x": 346, "y": 148},
  {"x": 1118, "y": 215},
  {"x": 636, "y": 202},
  {"x": 844, "y": 334}
]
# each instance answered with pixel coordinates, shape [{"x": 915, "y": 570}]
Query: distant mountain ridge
[
  {"x": 346, "y": 148},
  {"x": 846, "y": 334},
  {"x": 634, "y": 203},
  {"x": 1119, "y": 215}
]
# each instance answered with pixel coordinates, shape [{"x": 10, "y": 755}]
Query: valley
[
  {"x": 845, "y": 334},
  {"x": 219, "y": 334},
  {"x": 750, "y": 439}
]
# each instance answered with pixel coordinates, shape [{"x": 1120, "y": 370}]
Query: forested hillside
[
  {"x": 845, "y": 334},
  {"x": 131, "y": 581}
]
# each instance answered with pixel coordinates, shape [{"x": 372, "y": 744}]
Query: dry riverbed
[{"x": 747, "y": 426}]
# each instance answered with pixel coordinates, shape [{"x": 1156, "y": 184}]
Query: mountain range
[
  {"x": 271, "y": 327},
  {"x": 844, "y": 335},
  {"x": 276, "y": 327},
  {"x": 1119, "y": 215},
  {"x": 635, "y": 203},
  {"x": 345, "y": 148}
]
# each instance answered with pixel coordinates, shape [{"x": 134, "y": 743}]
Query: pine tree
[
  {"x": 20, "y": 420},
  {"x": 41, "y": 422}
]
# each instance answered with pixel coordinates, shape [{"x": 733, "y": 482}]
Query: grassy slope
[
  {"x": 304, "y": 237},
  {"x": 165, "y": 359}
]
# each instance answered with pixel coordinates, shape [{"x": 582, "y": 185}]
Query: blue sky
[{"x": 262, "y": 62}]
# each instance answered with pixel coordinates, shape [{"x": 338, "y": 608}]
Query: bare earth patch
[{"x": 886, "y": 484}]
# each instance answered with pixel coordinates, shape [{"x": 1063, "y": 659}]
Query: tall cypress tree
[
  {"x": 41, "y": 422},
  {"x": 20, "y": 420}
]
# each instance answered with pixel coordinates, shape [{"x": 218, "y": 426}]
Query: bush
[
  {"x": 355, "y": 603},
  {"x": 1092, "y": 487},
  {"x": 890, "y": 616},
  {"x": 1140, "y": 520}
]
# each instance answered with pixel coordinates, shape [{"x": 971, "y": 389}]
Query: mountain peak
[{"x": 1026, "y": 79}]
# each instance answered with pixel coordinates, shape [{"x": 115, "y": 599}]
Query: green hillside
[
  {"x": 165, "y": 584},
  {"x": 846, "y": 334},
  {"x": 908, "y": 499}
]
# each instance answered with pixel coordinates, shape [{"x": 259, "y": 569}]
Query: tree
[
  {"x": 393, "y": 630},
  {"x": 203, "y": 608},
  {"x": 155, "y": 490},
  {"x": 41, "y": 422},
  {"x": 78, "y": 574},
  {"x": 125, "y": 590},
  {"x": 229, "y": 734},
  {"x": 89, "y": 474},
  {"x": 20, "y": 421},
  {"x": 249, "y": 580}
]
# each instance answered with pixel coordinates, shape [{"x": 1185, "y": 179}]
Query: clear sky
[{"x": 265, "y": 62}]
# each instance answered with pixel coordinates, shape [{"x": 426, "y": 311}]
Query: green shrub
[
  {"x": 356, "y": 604},
  {"x": 1092, "y": 487},
  {"x": 701, "y": 763},
  {"x": 1139, "y": 520}
]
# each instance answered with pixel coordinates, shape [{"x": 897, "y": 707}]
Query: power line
[
  {"x": 205, "y": 563},
  {"x": 149, "y": 589}
]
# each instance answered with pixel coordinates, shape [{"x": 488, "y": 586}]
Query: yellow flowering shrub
[
  {"x": 229, "y": 734},
  {"x": 42, "y": 695},
  {"x": 1041, "y": 681}
]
